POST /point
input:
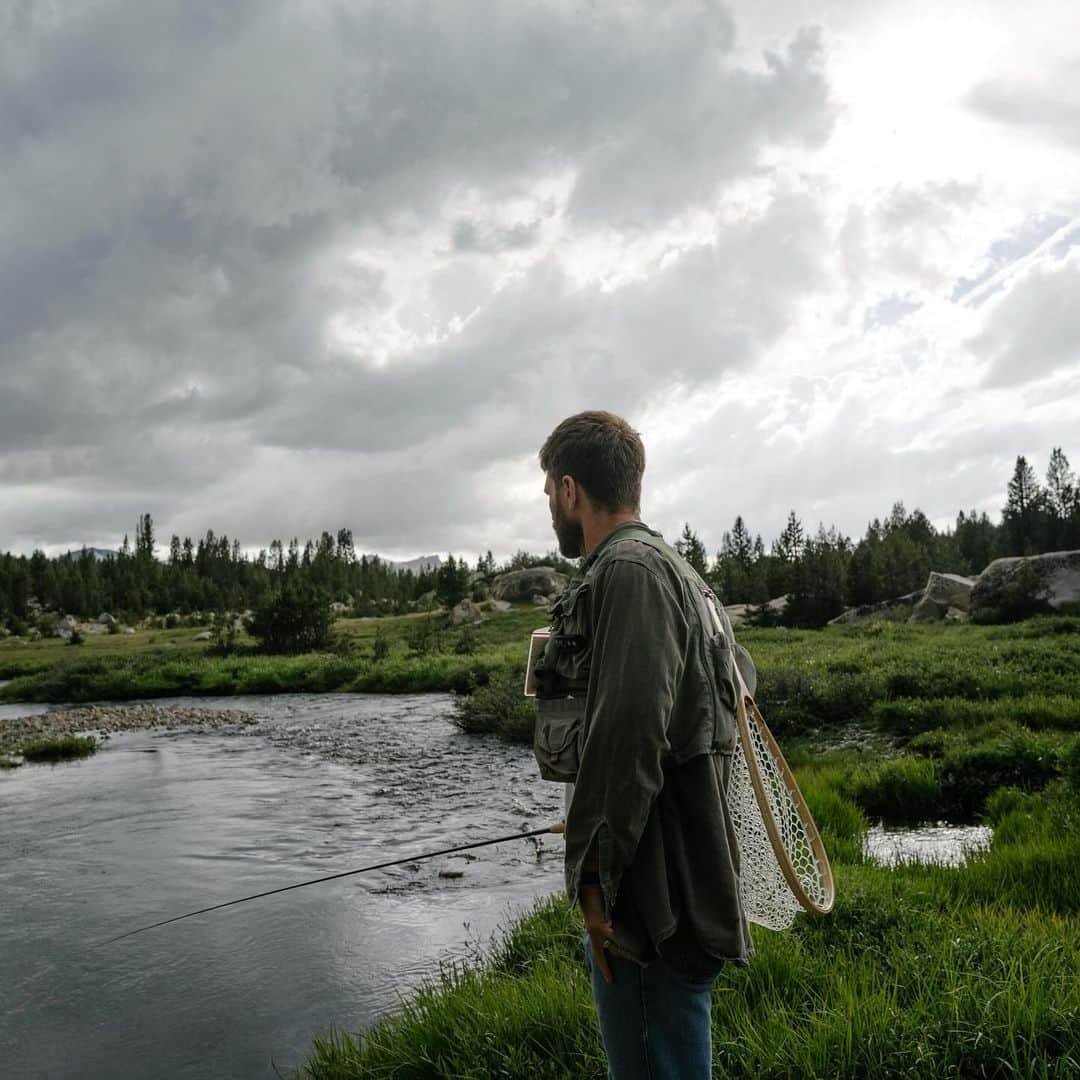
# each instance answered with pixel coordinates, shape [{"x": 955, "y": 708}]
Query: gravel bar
[{"x": 106, "y": 719}]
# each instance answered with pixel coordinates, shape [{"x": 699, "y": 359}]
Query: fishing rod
[{"x": 558, "y": 827}]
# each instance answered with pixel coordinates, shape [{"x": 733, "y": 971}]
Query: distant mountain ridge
[
  {"x": 417, "y": 565},
  {"x": 98, "y": 553}
]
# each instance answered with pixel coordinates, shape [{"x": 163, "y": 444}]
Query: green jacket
[{"x": 647, "y": 738}]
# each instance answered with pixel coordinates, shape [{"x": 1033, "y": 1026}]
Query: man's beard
[{"x": 570, "y": 535}]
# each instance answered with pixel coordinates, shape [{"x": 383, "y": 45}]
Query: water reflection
[{"x": 941, "y": 844}]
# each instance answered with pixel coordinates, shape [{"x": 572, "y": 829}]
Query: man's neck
[{"x": 597, "y": 527}]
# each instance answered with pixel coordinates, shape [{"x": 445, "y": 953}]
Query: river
[{"x": 160, "y": 823}]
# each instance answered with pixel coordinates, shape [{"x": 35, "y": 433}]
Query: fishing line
[{"x": 558, "y": 827}]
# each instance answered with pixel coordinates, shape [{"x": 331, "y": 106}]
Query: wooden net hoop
[{"x": 783, "y": 864}]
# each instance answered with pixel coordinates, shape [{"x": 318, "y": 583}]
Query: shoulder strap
[{"x": 662, "y": 547}]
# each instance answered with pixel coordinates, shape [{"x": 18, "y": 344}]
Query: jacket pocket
[
  {"x": 723, "y": 666},
  {"x": 557, "y": 737},
  {"x": 569, "y": 652}
]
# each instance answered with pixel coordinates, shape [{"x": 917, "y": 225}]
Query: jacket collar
[{"x": 612, "y": 536}]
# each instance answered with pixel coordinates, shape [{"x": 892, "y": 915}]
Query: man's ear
[{"x": 570, "y": 490}]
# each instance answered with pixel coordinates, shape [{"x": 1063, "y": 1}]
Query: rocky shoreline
[{"x": 104, "y": 720}]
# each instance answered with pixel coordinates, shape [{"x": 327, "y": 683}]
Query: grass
[
  {"x": 904, "y": 679},
  {"x": 62, "y": 748},
  {"x": 156, "y": 663},
  {"x": 917, "y": 971}
]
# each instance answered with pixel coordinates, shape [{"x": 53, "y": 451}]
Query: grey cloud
[
  {"x": 1035, "y": 328},
  {"x": 468, "y": 235},
  {"x": 713, "y": 310},
  {"x": 1052, "y": 109},
  {"x": 181, "y": 187}
]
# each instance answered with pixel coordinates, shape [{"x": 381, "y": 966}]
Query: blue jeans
[{"x": 656, "y": 1021}]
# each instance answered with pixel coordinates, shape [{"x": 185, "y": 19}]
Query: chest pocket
[
  {"x": 721, "y": 656},
  {"x": 562, "y": 682},
  {"x": 723, "y": 665}
]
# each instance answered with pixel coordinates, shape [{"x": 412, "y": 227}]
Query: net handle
[{"x": 744, "y": 700}]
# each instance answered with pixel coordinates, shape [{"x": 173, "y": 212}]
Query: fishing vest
[{"x": 702, "y": 722}]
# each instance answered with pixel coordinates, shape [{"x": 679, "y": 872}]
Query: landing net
[{"x": 784, "y": 868}]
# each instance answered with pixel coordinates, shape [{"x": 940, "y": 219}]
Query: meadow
[{"x": 918, "y": 970}]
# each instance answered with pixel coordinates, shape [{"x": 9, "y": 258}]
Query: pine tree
[
  {"x": 1062, "y": 501},
  {"x": 789, "y": 545},
  {"x": 144, "y": 537},
  {"x": 1021, "y": 508},
  {"x": 690, "y": 547},
  {"x": 742, "y": 547}
]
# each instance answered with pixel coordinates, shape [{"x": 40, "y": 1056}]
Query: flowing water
[{"x": 160, "y": 823}]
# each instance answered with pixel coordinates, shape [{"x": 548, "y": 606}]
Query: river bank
[{"x": 970, "y": 970}]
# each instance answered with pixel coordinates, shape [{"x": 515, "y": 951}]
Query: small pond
[{"x": 941, "y": 844}]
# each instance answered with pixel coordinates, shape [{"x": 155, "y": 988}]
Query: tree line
[
  {"x": 821, "y": 573},
  {"x": 213, "y": 574}
]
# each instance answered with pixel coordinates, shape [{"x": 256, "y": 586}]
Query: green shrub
[
  {"x": 498, "y": 706},
  {"x": 1003, "y": 802},
  {"x": 293, "y": 619},
  {"x": 60, "y": 749},
  {"x": 224, "y": 635},
  {"x": 1024, "y": 594},
  {"x": 466, "y": 642},
  {"x": 901, "y": 789},
  {"x": 380, "y": 645},
  {"x": 424, "y": 636},
  {"x": 1070, "y": 763},
  {"x": 1021, "y": 759}
]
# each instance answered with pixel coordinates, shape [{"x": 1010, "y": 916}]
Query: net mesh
[{"x": 767, "y": 898}]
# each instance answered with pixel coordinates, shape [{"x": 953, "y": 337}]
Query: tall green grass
[
  {"x": 918, "y": 971},
  {"x": 62, "y": 748}
]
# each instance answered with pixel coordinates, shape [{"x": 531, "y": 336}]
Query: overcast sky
[{"x": 278, "y": 268}]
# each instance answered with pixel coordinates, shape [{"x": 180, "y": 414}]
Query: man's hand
[{"x": 601, "y": 932}]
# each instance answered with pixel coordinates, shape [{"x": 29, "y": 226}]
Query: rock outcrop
[
  {"x": 465, "y": 613},
  {"x": 523, "y": 585},
  {"x": 742, "y": 614},
  {"x": 899, "y": 608},
  {"x": 943, "y": 592},
  {"x": 1049, "y": 581}
]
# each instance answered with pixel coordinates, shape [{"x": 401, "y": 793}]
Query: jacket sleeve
[{"x": 639, "y": 644}]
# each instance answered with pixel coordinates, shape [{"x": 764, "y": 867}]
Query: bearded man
[{"x": 636, "y": 705}]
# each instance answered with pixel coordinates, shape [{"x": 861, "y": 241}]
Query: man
[{"x": 651, "y": 854}]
